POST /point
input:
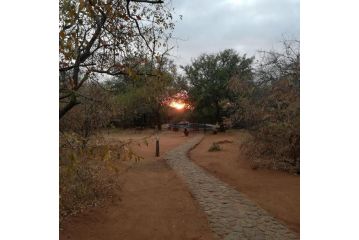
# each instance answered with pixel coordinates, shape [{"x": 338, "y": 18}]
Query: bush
[
  {"x": 215, "y": 147},
  {"x": 84, "y": 180},
  {"x": 88, "y": 175},
  {"x": 270, "y": 108},
  {"x": 91, "y": 115}
]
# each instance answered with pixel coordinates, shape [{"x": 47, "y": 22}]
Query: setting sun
[{"x": 177, "y": 105}]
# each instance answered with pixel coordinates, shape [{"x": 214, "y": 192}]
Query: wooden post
[{"x": 157, "y": 147}]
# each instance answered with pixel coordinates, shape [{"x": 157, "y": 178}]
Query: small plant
[{"x": 214, "y": 147}]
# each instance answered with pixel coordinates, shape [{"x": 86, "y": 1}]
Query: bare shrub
[
  {"x": 269, "y": 107},
  {"x": 89, "y": 175},
  {"x": 93, "y": 114},
  {"x": 85, "y": 180}
]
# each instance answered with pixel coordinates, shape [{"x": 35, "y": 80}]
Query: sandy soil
[
  {"x": 274, "y": 191},
  {"x": 154, "y": 203}
]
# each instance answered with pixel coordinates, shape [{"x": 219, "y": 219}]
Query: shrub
[
  {"x": 270, "y": 108},
  {"x": 89, "y": 175},
  {"x": 84, "y": 180},
  {"x": 215, "y": 147}
]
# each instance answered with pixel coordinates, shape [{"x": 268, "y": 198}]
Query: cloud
[{"x": 209, "y": 26}]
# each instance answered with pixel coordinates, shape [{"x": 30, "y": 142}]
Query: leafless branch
[
  {"x": 136, "y": 22},
  {"x": 73, "y": 66}
]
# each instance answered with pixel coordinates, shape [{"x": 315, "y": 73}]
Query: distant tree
[
  {"x": 142, "y": 98},
  {"x": 209, "y": 77}
]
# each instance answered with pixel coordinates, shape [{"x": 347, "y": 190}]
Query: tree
[
  {"x": 269, "y": 106},
  {"x": 141, "y": 97},
  {"x": 209, "y": 76},
  {"x": 93, "y": 114},
  {"x": 97, "y": 36}
]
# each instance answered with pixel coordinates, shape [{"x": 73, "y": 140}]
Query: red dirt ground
[
  {"x": 154, "y": 204},
  {"x": 276, "y": 192}
]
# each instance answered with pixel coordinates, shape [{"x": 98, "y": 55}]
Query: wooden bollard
[{"x": 157, "y": 147}]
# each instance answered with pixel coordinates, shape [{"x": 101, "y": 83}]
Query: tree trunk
[
  {"x": 158, "y": 120},
  {"x": 73, "y": 102},
  {"x": 218, "y": 113}
]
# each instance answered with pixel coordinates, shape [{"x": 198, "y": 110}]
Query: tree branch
[
  {"x": 109, "y": 72},
  {"x": 64, "y": 69},
  {"x": 147, "y": 1},
  {"x": 73, "y": 102},
  {"x": 136, "y": 22}
]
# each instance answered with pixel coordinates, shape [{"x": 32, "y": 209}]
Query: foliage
[
  {"x": 209, "y": 76},
  {"x": 88, "y": 176},
  {"x": 97, "y": 38},
  {"x": 143, "y": 101},
  {"x": 92, "y": 115},
  {"x": 124, "y": 39},
  {"x": 269, "y": 106}
]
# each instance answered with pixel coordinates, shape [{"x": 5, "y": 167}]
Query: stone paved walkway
[{"x": 230, "y": 214}]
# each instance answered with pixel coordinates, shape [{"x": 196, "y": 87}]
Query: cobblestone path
[{"x": 230, "y": 214}]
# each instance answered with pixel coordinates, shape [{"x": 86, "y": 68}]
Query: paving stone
[{"x": 230, "y": 214}]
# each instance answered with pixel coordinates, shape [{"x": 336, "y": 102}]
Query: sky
[{"x": 209, "y": 26}]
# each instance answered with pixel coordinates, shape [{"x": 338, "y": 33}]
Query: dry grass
[{"x": 89, "y": 175}]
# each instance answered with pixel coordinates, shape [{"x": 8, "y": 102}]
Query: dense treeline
[
  {"x": 141, "y": 99},
  {"x": 261, "y": 96}
]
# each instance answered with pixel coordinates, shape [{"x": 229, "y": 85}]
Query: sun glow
[{"x": 177, "y": 105}]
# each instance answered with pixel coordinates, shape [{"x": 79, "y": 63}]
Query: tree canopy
[
  {"x": 97, "y": 37},
  {"x": 209, "y": 77}
]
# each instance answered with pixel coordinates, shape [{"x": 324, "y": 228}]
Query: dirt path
[
  {"x": 231, "y": 214},
  {"x": 276, "y": 192},
  {"x": 154, "y": 204}
]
